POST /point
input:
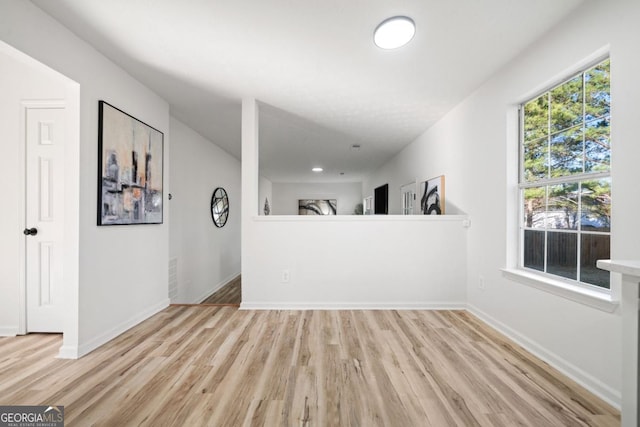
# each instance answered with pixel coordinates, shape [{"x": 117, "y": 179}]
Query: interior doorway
[
  {"x": 229, "y": 294},
  {"x": 40, "y": 158},
  {"x": 44, "y": 188},
  {"x": 408, "y": 193}
]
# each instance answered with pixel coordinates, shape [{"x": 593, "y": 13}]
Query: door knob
[{"x": 30, "y": 231}]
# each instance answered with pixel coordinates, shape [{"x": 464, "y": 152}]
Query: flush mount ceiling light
[
  {"x": 317, "y": 169},
  {"x": 394, "y": 32}
]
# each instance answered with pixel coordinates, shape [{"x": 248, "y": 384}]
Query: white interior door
[
  {"x": 367, "y": 205},
  {"x": 408, "y": 192},
  {"x": 44, "y": 219}
]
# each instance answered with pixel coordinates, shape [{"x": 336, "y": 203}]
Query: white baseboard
[
  {"x": 216, "y": 288},
  {"x": 68, "y": 352},
  {"x": 8, "y": 331},
  {"x": 105, "y": 337},
  {"x": 352, "y": 306},
  {"x": 595, "y": 386}
]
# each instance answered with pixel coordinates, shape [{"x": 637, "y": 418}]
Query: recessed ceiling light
[
  {"x": 394, "y": 32},
  {"x": 317, "y": 169}
]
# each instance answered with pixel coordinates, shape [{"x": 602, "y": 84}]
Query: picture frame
[
  {"x": 219, "y": 207},
  {"x": 130, "y": 169},
  {"x": 432, "y": 196},
  {"x": 317, "y": 207}
]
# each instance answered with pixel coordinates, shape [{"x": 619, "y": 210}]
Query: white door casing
[
  {"x": 408, "y": 193},
  {"x": 44, "y": 214}
]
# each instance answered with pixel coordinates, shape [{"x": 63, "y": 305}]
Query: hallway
[{"x": 231, "y": 293}]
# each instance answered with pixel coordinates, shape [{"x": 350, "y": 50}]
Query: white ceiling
[{"x": 323, "y": 84}]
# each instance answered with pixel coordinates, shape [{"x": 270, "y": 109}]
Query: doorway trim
[
  {"x": 413, "y": 187},
  {"x": 72, "y": 168},
  {"x": 25, "y": 106}
]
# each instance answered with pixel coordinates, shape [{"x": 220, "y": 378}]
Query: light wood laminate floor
[
  {"x": 219, "y": 366},
  {"x": 228, "y": 294}
]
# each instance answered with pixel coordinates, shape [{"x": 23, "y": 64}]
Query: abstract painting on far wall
[
  {"x": 317, "y": 207},
  {"x": 432, "y": 199},
  {"x": 129, "y": 169}
]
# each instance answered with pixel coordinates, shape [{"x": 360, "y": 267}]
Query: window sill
[{"x": 590, "y": 297}]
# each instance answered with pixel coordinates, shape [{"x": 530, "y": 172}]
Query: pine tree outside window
[{"x": 565, "y": 183}]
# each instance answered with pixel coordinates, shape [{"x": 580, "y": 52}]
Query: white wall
[
  {"x": 345, "y": 261},
  {"x": 286, "y": 196},
  {"x": 476, "y": 147},
  {"x": 208, "y": 256},
  {"x": 123, "y": 269},
  {"x": 355, "y": 262},
  {"x": 418, "y": 163}
]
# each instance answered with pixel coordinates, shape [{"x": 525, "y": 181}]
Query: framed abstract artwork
[
  {"x": 130, "y": 163},
  {"x": 432, "y": 196},
  {"x": 317, "y": 207}
]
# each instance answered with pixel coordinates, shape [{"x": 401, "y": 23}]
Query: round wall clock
[{"x": 219, "y": 207}]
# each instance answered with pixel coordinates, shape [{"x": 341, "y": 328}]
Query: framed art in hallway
[
  {"x": 130, "y": 169},
  {"x": 432, "y": 196},
  {"x": 317, "y": 207}
]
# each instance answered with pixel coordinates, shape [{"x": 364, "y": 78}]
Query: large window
[{"x": 565, "y": 184}]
